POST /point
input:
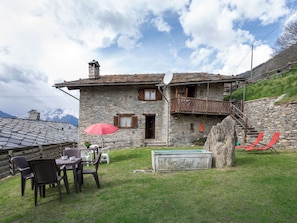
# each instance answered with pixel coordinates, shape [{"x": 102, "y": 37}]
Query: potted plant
[{"x": 87, "y": 144}]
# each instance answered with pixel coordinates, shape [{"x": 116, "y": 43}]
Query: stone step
[
  {"x": 250, "y": 131},
  {"x": 155, "y": 144}
]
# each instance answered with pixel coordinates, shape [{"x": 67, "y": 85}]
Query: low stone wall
[{"x": 265, "y": 116}]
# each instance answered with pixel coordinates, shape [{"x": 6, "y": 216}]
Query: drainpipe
[
  {"x": 68, "y": 94},
  {"x": 168, "y": 115}
]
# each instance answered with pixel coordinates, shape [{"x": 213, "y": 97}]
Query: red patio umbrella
[{"x": 101, "y": 129}]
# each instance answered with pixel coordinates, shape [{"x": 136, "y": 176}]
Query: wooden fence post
[
  {"x": 40, "y": 151},
  {"x": 11, "y": 165}
]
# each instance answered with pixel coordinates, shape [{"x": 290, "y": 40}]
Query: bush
[{"x": 200, "y": 141}]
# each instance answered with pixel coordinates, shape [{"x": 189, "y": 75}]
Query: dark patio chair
[
  {"x": 22, "y": 165},
  {"x": 94, "y": 171},
  {"x": 46, "y": 173},
  {"x": 72, "y": 152}
]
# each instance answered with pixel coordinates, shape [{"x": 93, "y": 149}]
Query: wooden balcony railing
[{"x": 200, "y": 106}]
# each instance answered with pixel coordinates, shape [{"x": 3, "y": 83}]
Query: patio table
[{"x": 73, "y": 163}]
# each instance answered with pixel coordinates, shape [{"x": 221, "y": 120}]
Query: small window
[
  {"x": 149, "y": 94},
  {"x": 125, "y": 121},
  {"x": 192, "y": 128}
]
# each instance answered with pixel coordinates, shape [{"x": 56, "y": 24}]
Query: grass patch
[
  {"x": 259, "y": 188},
  {"x": 277, "y": 86}
]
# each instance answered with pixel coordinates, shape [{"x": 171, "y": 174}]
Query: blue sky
[{"x": 43, "y": 42}]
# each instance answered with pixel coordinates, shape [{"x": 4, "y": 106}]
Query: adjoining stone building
[
  {"x": 149, "y": 112},
  {"x": 32, "y": 138}
]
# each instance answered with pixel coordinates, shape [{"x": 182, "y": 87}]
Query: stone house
[{"x": 147, "y": 111}]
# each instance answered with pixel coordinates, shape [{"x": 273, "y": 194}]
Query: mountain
[
  {"x": 54, "y": 115},
  {"x": 5, "y": 115},
  {"x": 59, "y": 115}
]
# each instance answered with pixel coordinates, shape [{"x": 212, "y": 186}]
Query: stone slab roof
[
  {"x": 148, "y": 79},
  {"x": 19, "y": 133}
]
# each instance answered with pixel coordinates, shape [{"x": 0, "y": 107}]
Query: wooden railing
[{"x": 200, "y": 106}]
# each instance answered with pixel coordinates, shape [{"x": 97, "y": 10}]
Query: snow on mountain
[
  {"x": 55, "y": 115},
  {"x": 59, "y": 115}
]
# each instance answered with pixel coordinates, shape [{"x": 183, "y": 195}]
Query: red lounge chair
[
  {"x": 259, "y": 138},
  {"x": 269, "y": 145}
]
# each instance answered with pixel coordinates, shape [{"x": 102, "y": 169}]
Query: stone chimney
[
  {"x": 34, "y": 115},
  {"x": 94, "y": 69}
]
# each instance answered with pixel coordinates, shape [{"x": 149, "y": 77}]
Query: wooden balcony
[{"x": 188, "y": 105}]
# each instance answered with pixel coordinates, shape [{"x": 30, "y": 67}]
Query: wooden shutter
[
  {"x": 141, "y": 94},
  {"x": 134, "y": 122},
  {"x": 116, "y": 121},
  {"x": 158, "y": 95}
]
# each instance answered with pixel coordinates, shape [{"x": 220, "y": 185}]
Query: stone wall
[
  {"x": 265, "y": 116},
  {"x": 102, "y": 104},
  {"x": 181, "y": 133}
]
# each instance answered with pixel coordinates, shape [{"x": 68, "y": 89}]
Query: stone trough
[{"x": 180, "y": 160}]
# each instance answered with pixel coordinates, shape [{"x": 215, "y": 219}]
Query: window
[
  {"x": 125, "y": 121},
  {"x": 149, "y": 94}
]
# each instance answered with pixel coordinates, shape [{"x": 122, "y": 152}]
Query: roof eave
[{"x": 78, "y": 86}]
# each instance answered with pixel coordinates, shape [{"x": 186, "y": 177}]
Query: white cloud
[
  {"x": 212, "y": 23},
  {"x": 201, "y": 56},
  {"x": 161, "y": 25},
  {"x": 159, "y": 7},
  {"x": 49, "y": 41},
  {"x": 128, "y": 42},
  {"x": 267, "y": 11},
  {"x": 291, "y": 18},
  {"x": 215, "y": 31},
  {"x": 234, "y": 62}
]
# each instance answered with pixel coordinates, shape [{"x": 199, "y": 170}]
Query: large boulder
[{"x": 221, "y": 142}]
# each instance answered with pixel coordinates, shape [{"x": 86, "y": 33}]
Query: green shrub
[{"x": 200, "y": 141}]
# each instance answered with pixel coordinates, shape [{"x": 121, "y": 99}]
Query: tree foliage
[{"x": 289, "y": 35}]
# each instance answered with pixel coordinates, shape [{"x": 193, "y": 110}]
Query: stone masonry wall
[
  {"x": 265, "y": 116},
  {"x": 101, "y": 104},
  {"x": 181, "y": 133}
]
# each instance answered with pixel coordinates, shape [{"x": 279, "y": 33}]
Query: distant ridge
[
  {"x": 59, "y": 115},
  {"x": 56, "y": 115},
  {"x": 5, "y": 115},
  {"x": 280, "y": 60},
  {"x": 66, "y": 119}
]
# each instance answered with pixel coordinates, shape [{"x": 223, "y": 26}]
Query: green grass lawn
[
  {"x": 273, "y": 87},
  {"x": 259, "y": 188}
]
